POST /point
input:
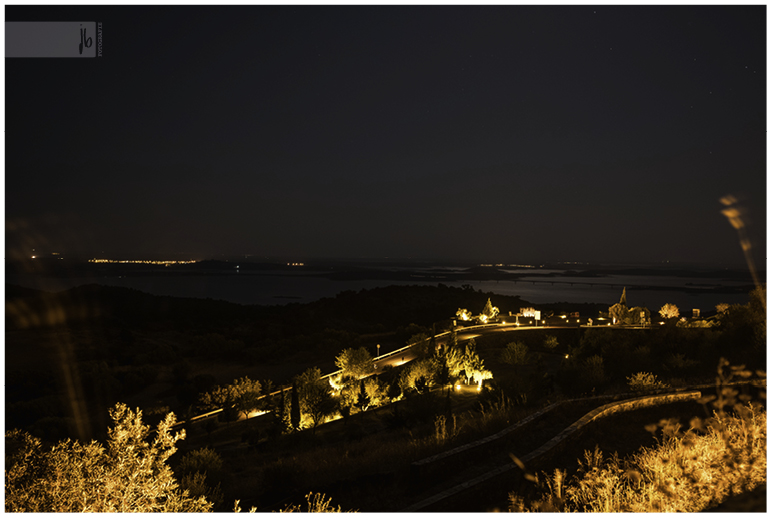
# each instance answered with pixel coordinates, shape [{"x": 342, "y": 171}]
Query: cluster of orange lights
[
  {"x": 508, "y": 265},
  {"x": 149, "y": 262}
]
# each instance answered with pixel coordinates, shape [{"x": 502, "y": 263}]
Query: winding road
[{"x": 404, "y": 355}]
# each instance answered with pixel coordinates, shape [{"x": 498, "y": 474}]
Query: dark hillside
[{"x": 101, "y": 345}]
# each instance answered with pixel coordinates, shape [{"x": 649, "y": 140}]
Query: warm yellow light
[
  {"x": 457, "y": 387},
  {"x": 150, "y": 262}
]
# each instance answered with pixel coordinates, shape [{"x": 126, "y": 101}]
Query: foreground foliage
[
  {"x": 130, "y": 474},
  {"x": 687, "y": 471}
]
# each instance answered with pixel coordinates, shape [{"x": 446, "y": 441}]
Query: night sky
[{"x": 500, "y": 133}]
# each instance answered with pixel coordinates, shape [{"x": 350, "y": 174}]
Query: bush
[
  {"x": 550, "y": 342},
  {"x": 643, "y": 381},
  {"x": 692, "y": 471},
  {"x": 418, "y": 376},
  {"x": 201, "y": 473},
  {"x": 594, "y": 371},
  {"x": 515, "y": 353},
  {"x": 685, "y": 473}
]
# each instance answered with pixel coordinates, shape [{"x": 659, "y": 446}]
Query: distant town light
[{"x": 149, "y": 262}]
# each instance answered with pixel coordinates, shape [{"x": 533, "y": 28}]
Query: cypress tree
[
  {"x": 295, "y": 413},
  {"x": 282, "y": 422},
  {"x": 363, "y": 398}
]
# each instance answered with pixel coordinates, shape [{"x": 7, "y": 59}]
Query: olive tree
[
  {"x": 473, "y": 365},
  {"x": 129, "y": 474},
  {"x": 355, "y": 363},
  {"x": 418, "y": 376},
  {"x": 315, "y": 399},
  {"x": 466, "y": 360},
  {"x": 241, "y": 396},
  {"x": 669, "y": 311}
]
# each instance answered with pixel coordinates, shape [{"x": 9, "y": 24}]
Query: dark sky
[{"x": 497, "y": 133}]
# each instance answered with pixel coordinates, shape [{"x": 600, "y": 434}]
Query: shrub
[
  {"x": 201, "y": 472},
  {"x": 418, "y": 376},
  {"x": 515, "y": 353},
  {"x": 685, "y": 473},
  {"x": 643, "y": 381},
  {"x": 691, "y": 471},
  {"x": 550, "y": 342},
  {"x": 241, "y": 396},
  {"x": 594, "y": 371},
  {"x": 316, "y": 503}
]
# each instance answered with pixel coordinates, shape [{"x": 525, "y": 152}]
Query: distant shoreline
[{"x": 56, "y": 266}]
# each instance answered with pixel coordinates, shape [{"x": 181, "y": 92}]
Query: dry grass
[
  {"x": 363, "y": 449},
  {"x": 686, "y": 472}
]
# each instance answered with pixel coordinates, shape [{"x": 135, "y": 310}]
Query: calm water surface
[{"x": 272, "y": 289}]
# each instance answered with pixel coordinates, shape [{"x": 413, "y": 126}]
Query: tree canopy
[
  {"x": 242, "y": 396},
  {"x": 669, "y": 311},
  {"x": 315, "y": 398},
  {"x": 355, "y": 363}
]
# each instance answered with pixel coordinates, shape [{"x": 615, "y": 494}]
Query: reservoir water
[{"x": 276, "y": 289}]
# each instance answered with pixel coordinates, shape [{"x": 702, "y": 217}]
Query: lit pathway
[{"x": 404, "y": 355}]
